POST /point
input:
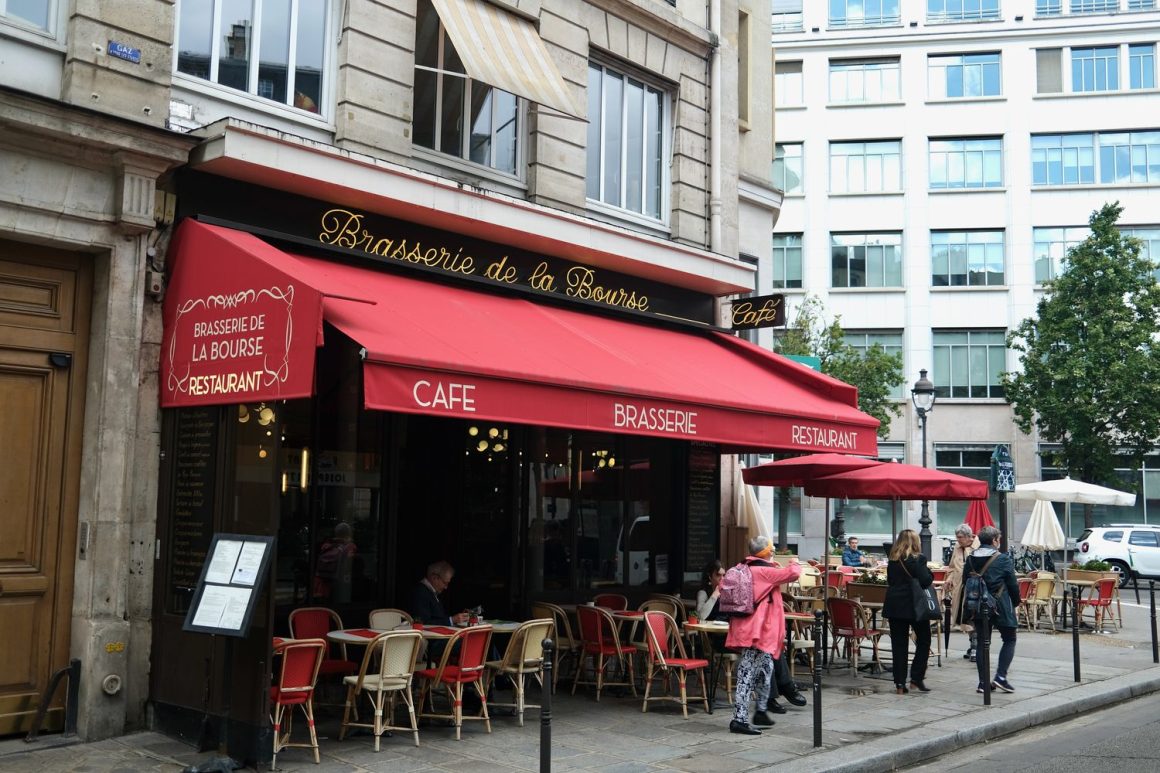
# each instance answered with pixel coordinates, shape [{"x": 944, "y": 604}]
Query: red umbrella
[
  {"x": 800, "y": 469},
  {"x": 897, "y": 481},
  {"x": 978, "y": 515}
]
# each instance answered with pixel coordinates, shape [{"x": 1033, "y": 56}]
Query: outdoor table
[
  {"x": 363, "y": 636},
  {"x": 874, "y": 666},
  {"x": 716, "y": 658}
]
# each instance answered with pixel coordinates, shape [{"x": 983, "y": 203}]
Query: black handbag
[{"x": 924, "y": 600}]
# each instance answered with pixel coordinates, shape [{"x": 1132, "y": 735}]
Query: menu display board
[
  {"x": 230, "y": 580},
  {"x": 703, "y": 506},
  {"x": 194, "y": 477}
]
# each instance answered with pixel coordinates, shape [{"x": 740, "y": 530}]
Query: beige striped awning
[{"x": 505, "y": 51}]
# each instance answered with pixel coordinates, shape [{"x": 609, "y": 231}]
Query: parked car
[{"x": 1132, "y": 549}]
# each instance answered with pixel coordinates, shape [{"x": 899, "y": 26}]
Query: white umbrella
[
  {"x": 749, "y": 513},
  {"x": 1043, "y": 532},
  {"x": 1067, "y": 491}
]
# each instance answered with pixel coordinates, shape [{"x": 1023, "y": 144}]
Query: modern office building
[{"x": 938, "y": 159}]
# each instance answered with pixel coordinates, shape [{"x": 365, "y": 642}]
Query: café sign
[{"x": 760, "y": 311}]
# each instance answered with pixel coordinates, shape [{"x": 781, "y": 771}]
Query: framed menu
[{"x": 231, "y": 579}]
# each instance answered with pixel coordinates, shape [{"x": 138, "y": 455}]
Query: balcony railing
[
  {"x": 787, "y": 22},
  {"x": 876, "y": 20}
]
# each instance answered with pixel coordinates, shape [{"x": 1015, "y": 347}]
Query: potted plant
[
  {"x": 869, "y": 587},
  {"x": 835, "y": 556},
  {"x": 782, "y": 556},
  {"x": 1089, "y": 571}
]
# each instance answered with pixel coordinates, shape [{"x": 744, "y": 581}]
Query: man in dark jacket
[
  {"x": 999, "y": 575},
  {"x": 426, "y": 606}
]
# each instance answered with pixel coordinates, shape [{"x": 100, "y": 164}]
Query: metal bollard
[
  {"x": 1074, "y": 629},
  {"x": 546, "y": 709},
  {"x": 1152, "y": 600},
  {"x": 983, "y": 653},
  {"x": 818, "y": 679}
]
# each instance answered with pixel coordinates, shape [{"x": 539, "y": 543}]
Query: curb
[{"x": 947, "y": 735}]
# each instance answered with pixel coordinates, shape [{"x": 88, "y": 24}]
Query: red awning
[
  {"x": 446, "y": 350},
  {"x": 895, "y": 480}
]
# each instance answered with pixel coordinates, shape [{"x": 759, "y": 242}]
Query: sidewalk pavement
[{"x": 866, "y": 727}]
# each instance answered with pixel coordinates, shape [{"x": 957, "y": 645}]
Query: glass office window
[
  {"x": 1142, "y": 66},
  {"x": 966, "y": 258},
  {"x": 863, "y": 13},
  {"x": 866, "y": 167},
  {"x": 964, "y": 75},
  {"x": 787, "y": 167},
  {"x": 966, "y": 163},
  {"x": 1129, "y": 157},
  {"x": 1095, "y": 69},
  {"x": 961, "y": 10},
  {"x": 891, "y": 343},
  {"x": 871, "y": 80},
  {"x": 1063, "y": 159},
  {"x": 1050, "y": 247},
  {"x": 866, "y": 260},
  {"x": 969, "y": 363},
  {"x": 787, "y": 260}
]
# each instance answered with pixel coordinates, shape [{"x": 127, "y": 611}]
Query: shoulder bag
[{"x": 925, "y": 600}]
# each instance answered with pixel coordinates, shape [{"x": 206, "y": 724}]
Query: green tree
[
  {"x": 1090, "y": 377},
  {"x": 875, "y": 372}
]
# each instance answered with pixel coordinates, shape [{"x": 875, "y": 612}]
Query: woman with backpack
[
  {"x": 758, "y": 635},
  {"x": 906, "y": 563},
  {"x": 998, "y": 573}
]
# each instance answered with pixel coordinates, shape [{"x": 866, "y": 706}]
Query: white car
[{"x": 1132, "y": 549}]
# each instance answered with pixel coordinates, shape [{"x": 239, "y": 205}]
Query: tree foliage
[
  {"x": 1090, "y": 377},
  {"x": 874, "y": 372}
]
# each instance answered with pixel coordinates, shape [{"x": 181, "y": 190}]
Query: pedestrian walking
[
  {"x": 906, "y": 563},
  {"x": 998, "y": 572}
]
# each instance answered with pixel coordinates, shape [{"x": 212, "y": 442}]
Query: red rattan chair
[
  {"x": 315, "y": 623},
  {"x": 667, "y": 658},
  {"x": 848, "y": 627},
  {"x": 295, "y": 687},
  {"x": 614, "y": 601},
  {"x": 463, "y": 662},
  {"x": 601, "y": 644},
  {"x": 385, "y": 674},
  {"x": 1101, "y": 603}
]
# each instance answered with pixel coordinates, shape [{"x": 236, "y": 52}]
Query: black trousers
[{"x": 900, "y": 645}]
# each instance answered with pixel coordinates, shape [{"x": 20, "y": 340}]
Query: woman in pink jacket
[{"x": 760, "y": 636}]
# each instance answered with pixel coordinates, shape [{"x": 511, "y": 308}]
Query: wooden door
[{"x": 44, "y": 318}]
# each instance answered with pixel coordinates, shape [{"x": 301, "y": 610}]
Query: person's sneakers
[
  {"x": 1001, "y": 683},
  {"x": 974, "y": 657},
  {"x": 979, "y": 689},
  {"x": 743, "y": 728},
  {"x": 762, "y": 719},
  {"x": 796, "y": 699},
  {"x": 969, "y": 654}
]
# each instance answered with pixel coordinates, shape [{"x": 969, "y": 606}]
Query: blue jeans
[{"x": 1006, "y": 652}]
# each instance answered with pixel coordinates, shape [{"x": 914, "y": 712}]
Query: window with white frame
[
  {"x": 957, "y": 76},
  {"x": 1094, "y": 6},
  {"x": 866, "y": 80},
  {"x": 787, "y": 84},
  {"x": 787, "y": 261},
  {"x": 1063, "y": 159},
  {"x": 866, "y": 167},
  {"x": 971, "y": 461},
  {"x": 1095, "y": 69},
  {"x": 969, "y": 363},
  {"x": 866, "y": 260},
  {"x": 1141, "y": 5},
  {"x": 787, "y": 167},
  {"x": 1049, "y": 249},
  {"x": 1129, "y": 157},
  {"x": 961, "y": 10},
  {"x": 1149, "y": 236},
  {"x": 627, "y": 165},
  {"x": 1048, "y": 7},
  {"x": 787, "y": 15},
  {"x": 275, "y": 50},
  {"x": 966, "y": 258},
  {"x": 455, "y": 114},
  {"x": 864, "y": 13},
  {"x": 35, "y": 14},
  {"x": 975, "y": 162},
  {"x": 889, "y": 340},
  {"x": 1142, "y": 66}
]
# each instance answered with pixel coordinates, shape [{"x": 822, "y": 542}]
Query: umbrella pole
[{"x": 893, "y": 519}]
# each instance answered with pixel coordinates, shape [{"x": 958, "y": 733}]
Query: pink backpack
[{"x": 735, "y": 594}]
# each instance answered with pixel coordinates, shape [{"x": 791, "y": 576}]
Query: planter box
[
  {"x": 1086, "y": 575},
  {"x": 867, "y": 592},
  {"x": 833, "y": 561}
]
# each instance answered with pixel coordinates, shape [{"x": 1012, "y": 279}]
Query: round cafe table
[{"x": 364, "y": 635}]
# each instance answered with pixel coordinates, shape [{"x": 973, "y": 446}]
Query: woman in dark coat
[
  {"x": 1000, "y": 579},
  {"x": 907, "y": 561}
]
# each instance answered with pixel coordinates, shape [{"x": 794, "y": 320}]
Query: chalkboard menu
[
  {"x": 703, "y": 505},
  {"x": 194, "y": 472}
]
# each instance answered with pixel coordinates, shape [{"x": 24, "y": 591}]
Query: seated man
[
  {"x": 852, "y": 556},
  {"x": 425, "y": 606}
]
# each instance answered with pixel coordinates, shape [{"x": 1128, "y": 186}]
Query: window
[
  {"x": 626, "y": 145},
  {"x": 866, "y": 260},
  {"x": 743, "y": 73},
  {"x": 787, "y": 84},
  {"x": 961, "y": 10},
  {"x": 863, "y": 13},
  {"x": 964, "y": 75},
  {"x": 1142, "y": 66},
  {"x": 38, "y": 14},
  {"x": 1113, "y": 536},
  {"x": 966, "y": 258},
  {"x": 1094, "y": 6},
  {"x": 891, "y": 342},
  {"x": 872, "y": 80},
  {"x": 1141, "y": 5},
  {"x": 454, "y": 114},
  {"x": 1143, "y": 538},
  {"x": 787, "y": 260},
  {"x": 966, "y": 163},
  {"x": 967, "y": 363},
  {"x": 1049, "y": 249},
  {"x": 787, "y": 15},
  {"x": 787, "y": 167},
  {"x": 1048, "y": 7},
  {"x": 865, "y": 167},
  {"x": 972, "y": 461},
  {"x": 1095, "y": 69},
  {"x": 1063, "y": 159},
  {"x": 1149, "y": 237},
  {"x": 1129, "y": 157},
  {"x": 275, "y": 50},
  {"x": 1048, "y": 70}
]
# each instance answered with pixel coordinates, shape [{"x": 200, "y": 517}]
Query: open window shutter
[{"x": 1048, "y": 70}]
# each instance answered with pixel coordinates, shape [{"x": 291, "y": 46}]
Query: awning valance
[
  {"x": 453, "y": 351},
  {"x": 505, "y": 51}
]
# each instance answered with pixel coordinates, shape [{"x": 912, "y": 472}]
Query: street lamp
[{"x": 923, "y": 397}]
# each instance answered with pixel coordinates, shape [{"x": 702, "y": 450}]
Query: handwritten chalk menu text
[
  {"x": 703, "y": 505},
  {"x": 194, "y": 474}
]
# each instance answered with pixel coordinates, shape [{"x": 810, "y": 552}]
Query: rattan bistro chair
[
  {"x": 388, "y": 619},
  {"x": 667, "y": 659},
  {"x": 567, "y": 645},
  {"x": 524, "y": 657},
  {"x": 460, "y": 665},
  {"x": 297, "y": 678},
  {"x": 601, "y": 643},
  {"x": 385, "y": 675}
]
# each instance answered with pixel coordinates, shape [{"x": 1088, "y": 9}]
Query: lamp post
[{"x": 923, "y": 397}]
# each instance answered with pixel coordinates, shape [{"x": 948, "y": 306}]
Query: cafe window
[
  {"x": 276, "y": 50},
  {"x": 455, "y": 114}
]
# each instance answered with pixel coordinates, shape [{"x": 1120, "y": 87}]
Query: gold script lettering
[
  {"x": 500, "y": 271},
  {"x": 745, "y": 314},
  {"x": 582, "y": 284},
  {"x": 541, "y": 279}
]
